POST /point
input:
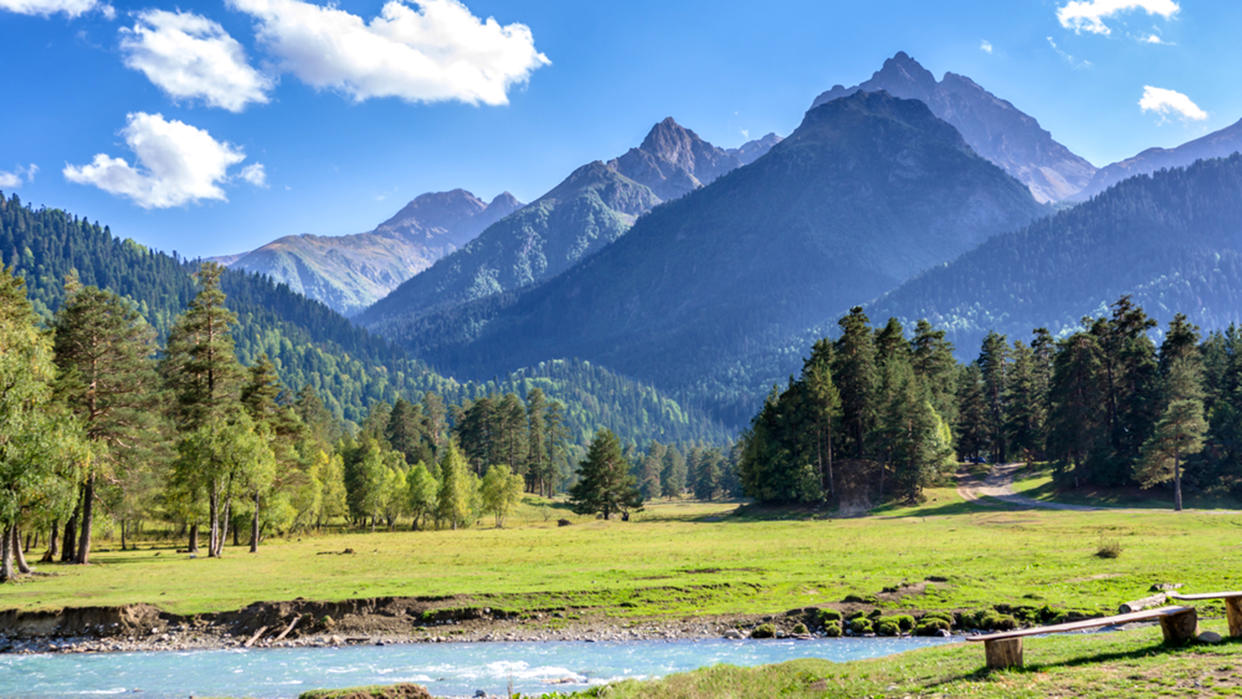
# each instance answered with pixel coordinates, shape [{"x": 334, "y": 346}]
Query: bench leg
[
  {"x": 1233, "y": 610},
  {"x": 1003, "y": 653},
  {"x": 1180, "y": 628}
]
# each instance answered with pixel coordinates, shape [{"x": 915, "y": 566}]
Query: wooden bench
[
  {"x": 1179, "y": 624},
  {"x": 1233, "y": 606}
]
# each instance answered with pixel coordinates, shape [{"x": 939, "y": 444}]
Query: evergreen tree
[
  {"x": 1077, "y": 419},
  {"x": 993, "y": 365},
  {"x": 1024, "y": 423},
  {"x": 201, "y": 370},
  {"x": 539, "y": 472},
  {"x": 103, "y": 350},
  {"x": 673, "y": 474},
  {"x": 1180, "y": 430},
  {"x": 824, "y": 404},
  {"x": 604, "y": 484},
  {"x": 856, "y": 380}
]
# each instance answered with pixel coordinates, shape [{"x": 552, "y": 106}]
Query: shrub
[
  {"x": 856, "y": 615},
  {"x": 853, "y": 598},
  {"x": 1110, "y": 548},
  {"x": 875, "y": 614},
  {"x": 763, "y": 631},
  {"x": 905, "y": 622},
  {"x": 997, "y": 622},
  {"x": 887, "y": 626},
  {"x": 860, "y": 625},
  {"x": 823, "y": 616},
  {"x": 931, "y": 627},
  {"x": 832, "y": 629},
  {"x": 946, "y": 616},
  {"x": 800, "y": 629}
]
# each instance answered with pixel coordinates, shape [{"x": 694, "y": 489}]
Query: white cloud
[
  {"x": 71, "y": 8},
  {"x": 1155, "y": 39},
  {"x": 1168, "y": 102},
  {"x": 427, "y": 51},
  {"x": 189, "y": 57},
  {"x": 1089, "y": 15},
  {"x": 175, "y": 164},
  {"x": 255, "y": 174},
  {"x": 985, "y": 46},
  {"x": 1075, "y": 63},
  {"x": 15, "y": 178}
]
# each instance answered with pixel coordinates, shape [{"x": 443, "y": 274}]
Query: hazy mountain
[
  {"x": 350, "y": 272},
  {"x": 751, "y": 151},
  {"x": 1173, "y": 240},
  {"x": 1220, "y": 144},
  {"x": 867, "y": 191},
  {"x": 992, "y": 126},
  {"x": 594, "y": 206}
]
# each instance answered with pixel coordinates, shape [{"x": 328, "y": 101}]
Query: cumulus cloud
[
  {"x": 425, "y": 51},
  {"x": 71, "y": 8},
  {"x": 985, "y": 46},
  {"x": 174, "y": 164},
  {"x": 255, "y": 174},
  {"x": 191, "y": 57},
  {"x": 1089, "y": 15},
  {"x": 12, "y": 179},
  {"x": 1170, "y": 102}
]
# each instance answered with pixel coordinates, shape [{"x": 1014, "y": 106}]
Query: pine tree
[
  {"x": 1181, "y": 428},
  {"x": 856, "y": 380},
  {"x": 993, "y": 365},
  {"x": 605, "y": 485},
  {"x": 1024, "y": 422},
  {"x": 824, "y": 404},
  {"x": 201, "y": 369},
  {"x": 104, "y": 353},
  {"x": 1077, "y": 418}
]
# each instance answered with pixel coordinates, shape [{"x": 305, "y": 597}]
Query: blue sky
[{"x": 348, "y": 129}]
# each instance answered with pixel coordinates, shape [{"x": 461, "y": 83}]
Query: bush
[
  {"x": 860, "y": 625},
  {"x": 860, "y": 599},
  {"x": 931, "y": 627},
  {"x": 905, "y": 622},
  {"x": 832, "y": 629},
  {"x": 763, "y": 631},
  {"x": 1110, "y": 548},
  {"x": 887, "y": 626},
  {"x": 800, "y": 629},
  {"x": 993, "y": 621},
  {"x": 946, "y": 616},
  {"x": 856, "y": 615},
  {"x": 823, "y": 616},
  {"x": 874, "y": 614}
]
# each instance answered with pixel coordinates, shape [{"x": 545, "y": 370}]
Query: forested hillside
[
  {"x": 1172, "y": 240},
  {"x": 867, "y": 191},
  {"x": 308, "y": 342}
]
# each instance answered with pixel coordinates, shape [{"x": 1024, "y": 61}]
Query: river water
[{"x": 447, "y": 669}]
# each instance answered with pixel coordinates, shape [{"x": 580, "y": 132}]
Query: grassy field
[
  {"x": 689, "y": 558},
  {"x": 1126, "y": 664}
]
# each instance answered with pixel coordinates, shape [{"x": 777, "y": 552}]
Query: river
[{"x": 447, "y": 669}]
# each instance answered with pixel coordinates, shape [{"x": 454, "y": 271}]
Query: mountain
[
  {"x": 594, "y": 206},
  {"x": 350, "y": 272},
  {"x": 1172, "y": 240},
  {"x": 1220, "y": 144},
  {"x": 992, "y": 126},
  {"x": 751, "y": 151},
  {"x": 869, "y": 190},
  {"x": 311, "y": 344}
]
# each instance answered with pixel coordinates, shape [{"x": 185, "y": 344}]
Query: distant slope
[
  {"x": 350, "y": 272},
  {"x": 591, "y": 208},
  {"x": 867, "y": 191},
  {"x": 992, "y": 126},
  {"x": 1220, "y": 144},
  {"x": 1173, "y": 240},
  {"x": 311, "y": 344}
]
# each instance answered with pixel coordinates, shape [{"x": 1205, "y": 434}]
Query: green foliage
[
  {"x": 765, "y": 630},
  {"x": 501, "y": 490},
  {"x": 860, "y": 625},
  {"x": 604, "y": 481}
]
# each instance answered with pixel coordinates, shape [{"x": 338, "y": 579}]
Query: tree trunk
[
  {"x": 1177, "y": 481},
  {"x": 122, "y": 534},
  {"x": 214, "y": 515},
  {"x": 88, "y": 500},
  {"x": 236, "y": 537},
  {"x": 832, "y": 480},
  {"x": 254, "y": 527},
  {"x": 6, "y": 555},
  {"x": 193, "y": 546},
  {"x": 53, "y": 543},
  {"x": 224, "y": 527},
  {"x": 17, "y": 550},
  {"x": 69, "y": 547}
]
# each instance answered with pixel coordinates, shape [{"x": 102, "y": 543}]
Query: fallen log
[
  {"x": 1141, "y": 604},
  {"x": 288, "y": 628},
  {"x": 255, "y": 637}
]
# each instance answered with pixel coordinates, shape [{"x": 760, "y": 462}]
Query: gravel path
[{"x": 998, "y": 484}]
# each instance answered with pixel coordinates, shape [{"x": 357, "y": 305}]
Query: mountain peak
[{"x": 667, "y": 139}]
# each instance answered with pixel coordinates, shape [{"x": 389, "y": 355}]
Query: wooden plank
[
  {"x": 1204, "y": 595},
  {"x": 1146, "y": 615}
]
